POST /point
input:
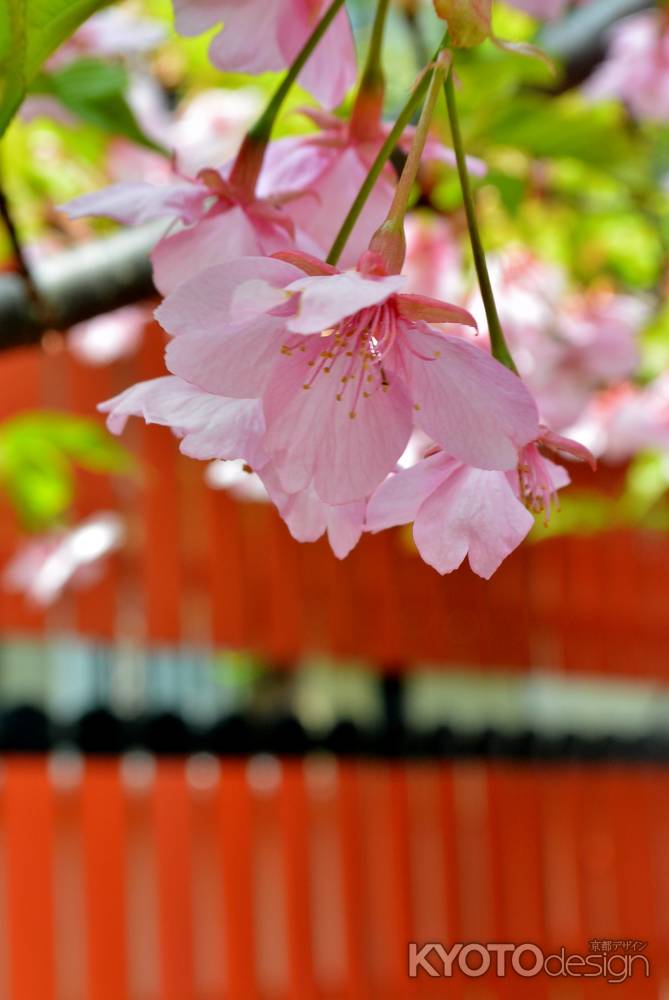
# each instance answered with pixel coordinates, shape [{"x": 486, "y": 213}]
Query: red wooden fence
[
  {"x": 263, "y": 879},
  {"x": 203, "y": 568}
]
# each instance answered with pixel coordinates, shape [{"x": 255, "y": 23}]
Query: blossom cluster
[{"x": 360, "y": 401}]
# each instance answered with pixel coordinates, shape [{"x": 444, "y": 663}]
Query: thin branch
[{"x": 22, "y": 267}]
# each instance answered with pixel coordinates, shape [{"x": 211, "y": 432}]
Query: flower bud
[
  {"x": 389, "y": 243},
  {"x": 469, "y": 21}
]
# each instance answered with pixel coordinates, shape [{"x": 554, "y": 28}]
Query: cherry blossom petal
[
  {"x": 312, "y": 437},
  {"x": 134, "y": 202},
  {"x": 400, "y": 497},
  {"x": 470, "y": 404},
  {"x": 211, "y": 426},
  {"x": 236, "y": 361},
  {"x": 204, "y": 303},
  {"x": 223, "y": 236},
  {"x": 263, "y": 35},
  {"x": 336, "y": 186},
  {"x": 345, "y": 525},
  {"x": 332, "y": 70},
  {"x": 474, "y": 512},
  {"x": 325, "y": 301}
]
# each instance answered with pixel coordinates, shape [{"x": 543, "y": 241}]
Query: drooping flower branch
[
  {"x": 249, "y": 159},
  {"x": 318, "y": 377},
  {"x": 383, "y": 156}
]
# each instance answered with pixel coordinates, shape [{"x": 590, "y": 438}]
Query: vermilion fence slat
[
  {"x": 172, "y": 831},
  {"x": 29, "y": 819},
  {"x": 104, "y": 862},
  {"x": 235, "y": 832},
  {"x": 295, "y": 845}
]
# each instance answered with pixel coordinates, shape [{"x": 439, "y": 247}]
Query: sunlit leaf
[{"x": 30, "y": 30}]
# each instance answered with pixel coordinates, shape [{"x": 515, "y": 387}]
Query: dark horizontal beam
[{"x": 76, "y": 285}]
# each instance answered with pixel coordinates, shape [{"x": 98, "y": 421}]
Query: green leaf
[
  {"x": 95, "y": 91},
  {"x": 38, "y": 453},
  {"x": 30, "y": 30}
]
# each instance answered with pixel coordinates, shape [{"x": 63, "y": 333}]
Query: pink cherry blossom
[
  {"x": 460, "y": 511},
  {"x": 262, "y": 35},
  {"x": 308, "y": 518},
  {"x": 209, "y": 426},
  {"x": 636, "y": 69},
  {"x": 109, "y": 336},
  {"x": 567, "y": 345},
  {"x": 217, "y": 222},
  {"x": 332, "y": 165},
  {"x": 625, "y": 420},
  {"x": 344, "y": 363}
]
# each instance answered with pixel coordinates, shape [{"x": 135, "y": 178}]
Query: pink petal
[
  {"x": 325, "y": 301},
  {"x": 421, "y": 307},
  {"x": 211, "y": 426},
  {"x": 311, "y": 436},
  {"x": 338, "y": 174},
  {"x": 332, "y": 70},
  {"x": 235, "y": 361},
  {"x": 263, "y": 35},
  {"x": 221, "y": 237},
  {"x": 345, "y": 524},
  {"x": 204, "y": 303},
  {"x": 400, "y": 497},
  {"x": 474, "y": 512},
  {"x": 249, "y": 41},
  {"x": 137, "y": 201},
  {"x": 296, "y": 163},
  {"x": 471, "y": 405}
]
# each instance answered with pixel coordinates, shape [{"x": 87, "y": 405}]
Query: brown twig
[{"x": 20, "y": 261}]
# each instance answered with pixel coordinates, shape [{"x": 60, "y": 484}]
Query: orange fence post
[
  {"x": 171, "y": 815},
  {"x": 28, "y": 813},
  {"x": 104, "y": 863}
]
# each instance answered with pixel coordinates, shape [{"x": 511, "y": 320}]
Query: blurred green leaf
[
  {"x": 95, "y": 90},
  {"x": 38, "y": 453},
  {"x": 30, "y": 30}
]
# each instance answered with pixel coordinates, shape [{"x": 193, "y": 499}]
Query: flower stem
[
  {"x": 262, "y": 129},
  {"x": 382, "y": 157},
  {"x": 369, "y": 98},
  {"x": 389, "y": 240},
  {"x": 372, "y": 74},
  {"x": 248, "y": 162},
  {"x": 398, "y": 208},
  {"x": 498, "y": 343}
]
